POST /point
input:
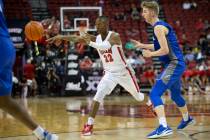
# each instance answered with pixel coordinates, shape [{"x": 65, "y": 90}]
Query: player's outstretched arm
[
  {"x": 114, "y": 40},
  {"x": 73, "y": 38},
  {"x": 92, "y": 37},
  {"x": 141, "y": 45}
]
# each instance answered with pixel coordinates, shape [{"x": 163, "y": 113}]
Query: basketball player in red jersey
[{"x": 117, "y": 71}]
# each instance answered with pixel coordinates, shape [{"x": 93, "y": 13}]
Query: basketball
[{"x": 34, "y": 30}]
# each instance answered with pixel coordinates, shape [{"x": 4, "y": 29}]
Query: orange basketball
[{"x": 34, "y": 30}]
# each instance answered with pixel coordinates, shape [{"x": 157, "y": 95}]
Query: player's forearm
[
  {"x": 146, "y": 46},
  {"x": 101, "y": 46},
  {"x": 159, "y": 52},
  {"x": 92, "y": 37},
  {"x": 73, "y": 38}
]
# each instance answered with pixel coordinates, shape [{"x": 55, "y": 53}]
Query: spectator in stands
[
  {"x": 65, "y": 46},
  {"x": 80, "y": 48},
  {"x": 66, "y": 22},
  {"x": 132, "y": 59},
  {"x": 116, "y": 3},
  {"x": 101, "y": 3},
  {"x": 15, "y": 87},
  {"x": 203, "y": 44},
  {"x": 86, "y": 63},
  {"x": 186, "y": 76},
  {"x": 120, "y": 16},
  {"x": 132, "y": 32},
  {"x": 41, "y": 72},
  {"x": 54, "y": 27},
  {"x": 206, "y": 25},
  {"x": 141, "y": 60},
  {"x": 208, "y": 36},
  {"x": 198, "y": 55},
  {"x": 178, "y": 29},
  {"x": 202, "y": 68},
  {"x": 199, "y": 25},
  {"x": 29, "y": 73},
  {"x": 208, "y": 50},
  {"x": 195, "y": 82},
  {"x": 193, "y": 4},
  {"x": 184, "y": 42},
  {"x": 186, "y": 5},
  {"x": 53, "y": 81},
  {"x": 134, "y": 12},
  {"x": 149, "y": 74},
  {"x": 60, "y": 70},
  {"x": 189, "y": 56},
  {"x": 189, "y": 5}
]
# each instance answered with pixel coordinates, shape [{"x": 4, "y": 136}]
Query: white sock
[
  {"x": 162, "y": 121},
  {"x": 185, "y": 116},
  {"x": 90, "y": 121},
  {"x": 39, "y": 132}
]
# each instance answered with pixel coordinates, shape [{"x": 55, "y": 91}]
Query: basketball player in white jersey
[{"x": 117, "y": 71}]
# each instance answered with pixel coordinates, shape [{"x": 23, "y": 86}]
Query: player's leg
[
  {"x": 7, "y": 56},
  {"x": 163, "y": 82},
  {"x": 19, "y": 112},
  {"x": 105, "y": 87},
  {"x": 155, "y": 96},
  {"x": 129, "y": 83},
  {"x": 180, "y": 102}
]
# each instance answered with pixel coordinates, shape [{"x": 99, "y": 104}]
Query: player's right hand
[
  {"x": 86, "y": 38},
  {"x": 52, "y": 39},
  {"x": 137, "y": 44}
]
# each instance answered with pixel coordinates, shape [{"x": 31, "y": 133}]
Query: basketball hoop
[{"x": 82, "y": 30}]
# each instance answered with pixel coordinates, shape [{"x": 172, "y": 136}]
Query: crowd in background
[{"x": 44, "y": 68}]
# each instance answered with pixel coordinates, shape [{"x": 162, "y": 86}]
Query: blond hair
[{"x": 152, "y": 5}]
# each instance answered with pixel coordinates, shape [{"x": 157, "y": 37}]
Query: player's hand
[
  {"x": 86, "y": 38},
  {"x": 147, "y": 53},
  {"x": 137, "y": 44},
  {"x": 57, "y": 37}
]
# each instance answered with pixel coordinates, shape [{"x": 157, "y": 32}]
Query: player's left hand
[
  {"x": 147, "y": 53},
  {"x": 86, "y": 38}
]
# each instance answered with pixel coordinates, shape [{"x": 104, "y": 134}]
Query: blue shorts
[
  {"x": 169, "y": 78},
  {"x": 7, "y": 58},
  {"x": 172, "y": 73}
]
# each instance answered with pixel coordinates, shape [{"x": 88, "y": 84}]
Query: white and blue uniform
[{"x": 174, "y": 66}]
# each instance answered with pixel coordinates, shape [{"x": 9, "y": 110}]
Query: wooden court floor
[{"x": 119, "y": 118}]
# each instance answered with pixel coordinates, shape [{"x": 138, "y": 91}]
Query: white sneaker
[{"x": 49, "y": 136}]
